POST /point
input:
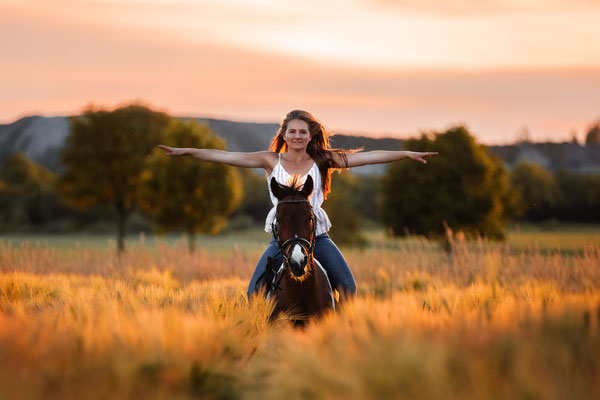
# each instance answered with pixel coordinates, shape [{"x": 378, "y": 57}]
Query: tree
[
  {"x": 256, "y": 202},
  {"x": 581, "y": 197},
  {"x": 27, "y": 196},
  {"x": 463, "y": 187},
  {"x": 341, "y": 207},
  {"x": 537, "y": 190},
  {"x": 593, "y": 134},
  {"x": 105, "y": 155},
  {"x": 188, "y": 194},
  {"x": 368, "y": 197}
]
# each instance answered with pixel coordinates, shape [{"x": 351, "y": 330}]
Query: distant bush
[
  {"x": 28, "y": 201},
  {"x": 581, "y": 197},
  {"x": 593, "y": 134},
  {"x": 342, "y": 208},
  {"x": 256, "y": 203},
  {"x": 538, "y": 193}
]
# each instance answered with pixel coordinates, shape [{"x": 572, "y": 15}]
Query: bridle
[{"x": 307, "y": 244}]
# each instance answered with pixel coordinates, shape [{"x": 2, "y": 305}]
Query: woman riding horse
[
  {"x": 299, "y": 285},
  {"x": 301, "y": 147}
]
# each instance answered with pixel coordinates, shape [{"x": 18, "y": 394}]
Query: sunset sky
[{"x": 376, "y": 67}]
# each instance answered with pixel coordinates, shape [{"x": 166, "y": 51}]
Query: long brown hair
[{"x": 318, "y": 148}]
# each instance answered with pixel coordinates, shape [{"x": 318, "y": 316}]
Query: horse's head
[{"x": 295, "y": 224}]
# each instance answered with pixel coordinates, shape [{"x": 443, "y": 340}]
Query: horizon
[
  {"x": 369, "y": 135},
  {"x": 379, "y": 69}
]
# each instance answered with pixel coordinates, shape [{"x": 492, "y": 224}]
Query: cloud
[
  {"x": 365, "y": 34},
  {"x": 458, "y": 8},
  {"x": 58, "y": 62}
]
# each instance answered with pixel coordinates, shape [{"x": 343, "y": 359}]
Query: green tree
[
  {"x": 593, "y": 134},
  {"x": 256, "y": 202},
  {"x": 105, "y": 156},
  {"x": 188, "y": 194},
  {"x": 581, "y": 197},
  {"x": 27, "y": 196},
  {"x": 368, "y": 196},
  {"x": 463, "y": 187},
  {"x": 538, "y": 193},
  {"x": 341, "y": 207}
]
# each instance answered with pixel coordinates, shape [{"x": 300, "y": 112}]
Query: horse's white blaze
[{"x": 297, "y": 254}]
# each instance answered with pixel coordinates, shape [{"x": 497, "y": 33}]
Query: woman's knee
[{"x": 336, "y": 266}]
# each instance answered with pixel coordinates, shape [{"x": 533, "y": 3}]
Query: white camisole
[{"x": 316, "y": 198}]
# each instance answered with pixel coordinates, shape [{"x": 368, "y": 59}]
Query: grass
[{"x": 496, "y": 321}]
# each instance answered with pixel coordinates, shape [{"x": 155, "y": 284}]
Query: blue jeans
[{"x": 329, "y": 256}]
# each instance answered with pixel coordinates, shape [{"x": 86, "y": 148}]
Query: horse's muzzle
[
  {"x": 297, "y": 269},
  {"x": 298, "y": 260}
]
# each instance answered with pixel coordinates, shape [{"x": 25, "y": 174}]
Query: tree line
[
  {"x": 466, "y": 188},
  {"x": 114, "y": 172}
]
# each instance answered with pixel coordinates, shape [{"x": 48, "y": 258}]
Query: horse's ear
[
  {"x": 308, "y": 186},
  {"x": 275, "y": 188}
]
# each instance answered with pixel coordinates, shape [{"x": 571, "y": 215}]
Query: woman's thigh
[
  {"x": 271, "y": 251},
  {"x": 335, "y": 264}
]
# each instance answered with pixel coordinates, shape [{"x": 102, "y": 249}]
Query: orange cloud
[{"x": 57, "y": 63}]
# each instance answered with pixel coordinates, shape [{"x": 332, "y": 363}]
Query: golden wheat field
[{"x": 519, "y": 320}]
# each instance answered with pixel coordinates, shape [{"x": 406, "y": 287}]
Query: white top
[{"x": 316, "y": 198}]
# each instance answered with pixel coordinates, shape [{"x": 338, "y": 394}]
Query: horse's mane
[
  {"x": 294, "y": 186},
  {"x": 295, "y": 183}
]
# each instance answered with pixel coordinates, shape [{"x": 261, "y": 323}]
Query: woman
[{"x": 301, "y": 147}]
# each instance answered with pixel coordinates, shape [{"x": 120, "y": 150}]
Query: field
[{"x": 515, "y": 320}]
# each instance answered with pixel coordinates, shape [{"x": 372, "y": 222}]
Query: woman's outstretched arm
[
  {"x": 385, "y": 156},
  {"x": 259, "y": 159}
]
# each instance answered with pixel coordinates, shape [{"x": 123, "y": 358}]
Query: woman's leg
[
  {"x": 335, "y": 264},
  {"x": 271, "y": 251}
]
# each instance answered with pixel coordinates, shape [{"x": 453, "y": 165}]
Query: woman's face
[{"x": 296, "y": 135}]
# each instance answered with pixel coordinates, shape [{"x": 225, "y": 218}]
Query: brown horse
[{"x": 300, "y": 285}]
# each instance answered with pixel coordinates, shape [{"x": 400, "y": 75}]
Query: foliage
[
  {"x": 341, "y": 207},
  {"x": 539, "y": 194},
  {"x": 463, "y": 187},
  {"x": 593, "y": 134},
  {"x": 581, "y": 197},
  {"x": 185, "y": 193},
  {"x": 256, "y": 202},
  {"x": 368, "y": 197},
  {"x": 27, "y": 196},
  {"x": 105, "y": 155}
]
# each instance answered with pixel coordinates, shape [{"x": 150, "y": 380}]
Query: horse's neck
[{"x": 312, "y": 295}]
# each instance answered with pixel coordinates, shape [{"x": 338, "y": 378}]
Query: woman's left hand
[{"x": 419, "y": 156}]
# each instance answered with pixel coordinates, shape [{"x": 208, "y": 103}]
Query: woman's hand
[
  {"x": 420, "y": 157},
  {"x": 173, "y": 151}
]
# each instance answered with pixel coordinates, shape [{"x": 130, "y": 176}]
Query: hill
[{"x": 41, "y": 139}]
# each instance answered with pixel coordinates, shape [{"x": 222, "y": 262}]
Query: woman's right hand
[{"x": 172, "y": 151}]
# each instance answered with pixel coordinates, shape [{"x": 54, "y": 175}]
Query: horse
[{"x": 299, "y": 285}]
